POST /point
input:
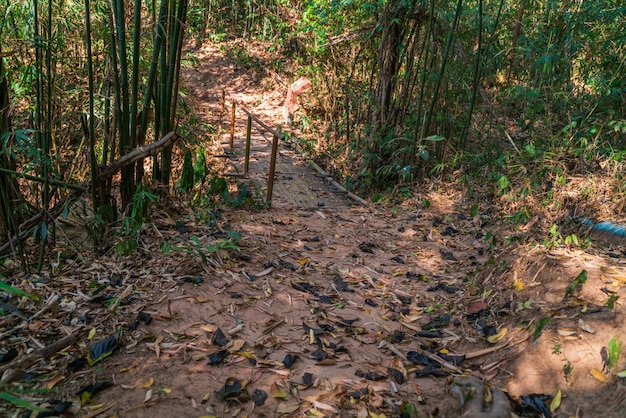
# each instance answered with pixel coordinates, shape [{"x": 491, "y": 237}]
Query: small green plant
[
  {"x": 554, "y": 238},
  {"x": 186, "y": 181},
  {"x": 491, "y": 239},
  {"x": 521, "y": 216},
  {"x": 503, "y": 183},
  {"x": 218, "y": 187},
  {"x": 540, "y": 325},
  {"x": 408, "y": 410},
  {"x": 523, "y": 305},
  {"x": 131, "y": 225},
  {"x": 611, "y": 301},
  {"x": 576, "y": 285},
  {"x": 194, "y": 170},
  {"x": 568, "y": 368},
  {"x": 572, "y": 239},
  {"x": 196, "y": 247}
]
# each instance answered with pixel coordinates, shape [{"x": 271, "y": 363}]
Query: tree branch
[
  {"x": 77, "y": 190},
  {"x": 138, "y": 153}
]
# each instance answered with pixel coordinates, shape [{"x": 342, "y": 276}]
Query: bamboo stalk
[
  {"x": 431, "y": 110},
  {"x": 134, "y": 95},
  {"x": 175, "y": 29},
  {"x": 117, "y": 109},
  {"x": 476, "y": 81},
  {"x": 152, "y": 76},
  {"x": 42, "y": 128},
  {"x": 162, "y": 94},
  {"x": 96, "y": 200},
  {"x": 53, "y": 182},
  {"x": 126, "y": 185}
]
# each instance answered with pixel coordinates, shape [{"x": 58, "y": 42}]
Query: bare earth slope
[{"x": 330, "y": 309}]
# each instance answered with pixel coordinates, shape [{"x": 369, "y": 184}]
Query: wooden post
[
  {"x": 222, "y": 107},
  {"x": 246, "y": 163},
  {"x": 232, "y": 127},
  {"x": 270, "y": 179}
]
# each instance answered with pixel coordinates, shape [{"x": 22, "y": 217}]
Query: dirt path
[
  {"x": 346, "y": 290},
  {"x": 325, "y": 309},
  {"x": 296, "y": 184},
  {"x": 339, "y": 288}
]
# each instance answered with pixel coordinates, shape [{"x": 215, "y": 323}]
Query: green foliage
[
  {"x": 502, "y": 182},
  {"x": 220, "y": 19},
  {"x": 555, "y": 238},
  {"x": 142, "y": 200},
  {"x": 200, "y": 170},
  {"x": 194, "y": 172},
  {"x": 572, "y": 239},
  {"x": 219, "y": 188},
  {"x": 559, "y": 75},
  {"x": 186, "y": 181}
]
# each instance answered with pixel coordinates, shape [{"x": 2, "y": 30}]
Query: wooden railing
[{"x": 252, "y": 118}]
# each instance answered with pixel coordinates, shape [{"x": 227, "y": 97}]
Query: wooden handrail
[
  {"x": 254, "y": 118},
  {"x": 277, "y": 136}
]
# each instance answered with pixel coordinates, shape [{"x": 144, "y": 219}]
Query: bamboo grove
[
  {"x": 415, "y": 88},
  {"x": 410, "y": 88},
  {"x": 78, "y": 97},
  {"x": 402, "y": 89}
]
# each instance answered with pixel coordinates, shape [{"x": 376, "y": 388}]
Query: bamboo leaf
[
  {"x": 435, "y": 138},
  {"x": 556, "y": 401},
  {"x": 615, "y": 349},
  {"x": 19, "y": 292},
  {"x": 22, "y": 403}
]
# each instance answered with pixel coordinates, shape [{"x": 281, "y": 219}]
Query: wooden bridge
[{"x": 267, "y": 162}]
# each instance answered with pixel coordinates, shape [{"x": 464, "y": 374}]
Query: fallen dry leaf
[
  {"x": 148, "y": 383},
  {"x": 598, "y": 375},
  {"x": 287, "y": 408},
  {"x": 157, "y": 346},
  {"x": 237, "y": 345},
  {"x": 476, "y": 307},
  {"x": 493, "y": 339}
]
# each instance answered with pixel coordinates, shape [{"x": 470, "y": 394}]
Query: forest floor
[{"x": 334, "y": 310}]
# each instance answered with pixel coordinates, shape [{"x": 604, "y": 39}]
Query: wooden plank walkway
[{"x": 296, "y": 184}]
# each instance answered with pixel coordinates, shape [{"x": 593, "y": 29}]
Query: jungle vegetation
[{"x": 404, "y": 90}]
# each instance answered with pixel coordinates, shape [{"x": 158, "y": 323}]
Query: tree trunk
[{"x": 10, "y": 196}]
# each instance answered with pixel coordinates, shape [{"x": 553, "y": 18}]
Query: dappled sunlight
[
  {"x": 266, "y": 286},
  {"x": 565, "y": 351}
]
